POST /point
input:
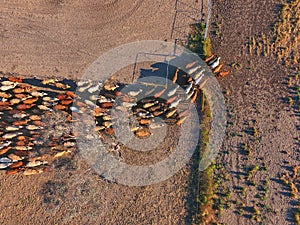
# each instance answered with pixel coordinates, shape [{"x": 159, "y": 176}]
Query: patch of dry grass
[
  {"x": 206, "y": 192},
  {"x": 297, "y": 216},
  {"x": 284, "y": 40},
  {"x": 206, "y": 212}
]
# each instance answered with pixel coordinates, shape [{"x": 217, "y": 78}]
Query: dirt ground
[
  {"x": 256, "y": 98},
  {"x": 61, "y": 38}
]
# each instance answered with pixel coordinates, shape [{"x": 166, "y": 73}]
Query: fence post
[{"x": 208, "y": 18}]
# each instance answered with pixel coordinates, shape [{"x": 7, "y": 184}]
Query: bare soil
[
  {"x": 257, "y": 97},
  {"x": 61, "y": 38}
]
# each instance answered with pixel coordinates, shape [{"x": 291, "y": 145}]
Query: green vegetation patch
[{"x": 197, "y": 43}]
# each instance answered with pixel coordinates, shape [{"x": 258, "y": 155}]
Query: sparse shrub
[
  {"x": 297, "y": 216},
  {"x": 246, "y": 149},
  {"x": 236, "y": 65},
  {"x": 255, "y": 132},
  {"x": 244, "y": 191},
  {"x": 290, "y": 101}
]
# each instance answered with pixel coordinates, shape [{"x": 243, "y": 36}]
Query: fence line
[
  {"x": 208, "y": 18},
  {"x": 184, "y": 40}
]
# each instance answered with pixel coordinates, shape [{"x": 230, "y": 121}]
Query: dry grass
[
  {"x": 206, "y": 192},
  {"x": 287, "y": 33},
  {"x": 206, "y": 213},
  {"x": 291, "y": 180},
  {"x": 297, "y": 216},
  {"x": 284, "y": 41}
]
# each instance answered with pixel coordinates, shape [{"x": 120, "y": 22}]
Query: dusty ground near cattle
[
  {"x": 61, "y": 38},
  {"x": 262, "y": 142}
]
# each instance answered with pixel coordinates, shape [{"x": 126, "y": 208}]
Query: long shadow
[
  {"x": 193, "y": 189},
  {"x": 38, "y": 83},
  {"x": 186, "y": 11},
  {"x": 164, "y": 70},
  {"x": 194, "y": 194}
]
